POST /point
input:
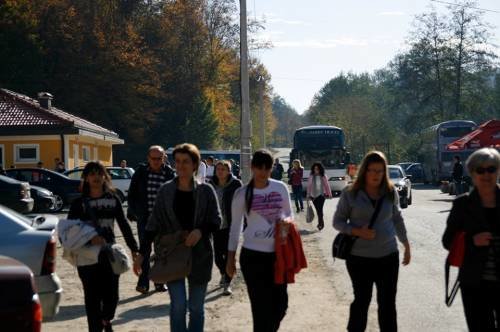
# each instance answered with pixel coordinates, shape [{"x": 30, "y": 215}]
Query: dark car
[
  {"x": 45, "y": 200},
  {"x": 15, "y": 195},
  {"x": 20, "y": 308},
  {"x": 418, "y": 174},
  {"x": 65, "y": 190}
]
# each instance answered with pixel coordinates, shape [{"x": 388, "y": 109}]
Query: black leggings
[
  {"x": 221, "y": 239},
  {"x": 100, "y": 288},
  {"x": 268, "y": 300},
  {"x": 482, "y": 306},
  {"x": 319, "y": 202},
  {"x": 364, "y": 272}
]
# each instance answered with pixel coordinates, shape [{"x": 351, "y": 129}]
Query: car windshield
[
  {"x": 75, "y": 175},
  {"x": 395, "y": 173}
]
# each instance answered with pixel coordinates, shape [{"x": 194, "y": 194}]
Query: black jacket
[
  {"x": 227, "y": 196},
  {"x": 458, "y": 172},
  {"x": 138, "y": 192},
  {"x": 467, "y": 214}
]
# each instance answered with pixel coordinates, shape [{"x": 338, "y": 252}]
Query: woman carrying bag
[
  {"x": 100, "y": 207},
  {"x": 264, "y": 202},
  {"x": 374, "y": 257},
  {"x": 183, "y": 204},
  {"x": 477, "y": 214},
  {"x": 318, "y": 190}
]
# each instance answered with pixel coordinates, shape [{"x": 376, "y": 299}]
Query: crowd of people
[{"x": 211, "y": 207}]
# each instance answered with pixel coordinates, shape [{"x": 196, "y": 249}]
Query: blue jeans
[
  {"x": 179, "y": 305},
  {"x": 297, "y": 196}
]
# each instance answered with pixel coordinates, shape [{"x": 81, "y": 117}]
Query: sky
[{"x": 315, "y": 40}]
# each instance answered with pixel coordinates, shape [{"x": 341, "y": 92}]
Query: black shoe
[
  {"x": 142, "y": 289},
  {"x": 161, "y": 288},
  {"x": 298, "y": 210},
  {"x": 108, "y": 327}
]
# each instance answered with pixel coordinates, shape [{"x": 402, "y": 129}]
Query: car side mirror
[{"x": 409, "y": 176}]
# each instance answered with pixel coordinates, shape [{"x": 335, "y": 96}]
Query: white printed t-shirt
[{"x": 269, "y": 205}]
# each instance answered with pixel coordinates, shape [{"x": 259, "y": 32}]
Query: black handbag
[{"x": 342, "y": 244}]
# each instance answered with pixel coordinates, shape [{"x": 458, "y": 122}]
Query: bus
[
  {"x": 436, "y": 159},
  {"x": 325, "y": 144}
]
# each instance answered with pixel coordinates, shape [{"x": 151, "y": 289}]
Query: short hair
[
  {"x": 190, "y": 149},
  {"x": 225, "y": 163},
  {"x": 156, "y": 148},
  {"x": 481, "y": 157},
  {"x": 457, "y": 157}
]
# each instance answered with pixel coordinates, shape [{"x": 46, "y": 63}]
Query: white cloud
[{"x": 393, "y": 13}]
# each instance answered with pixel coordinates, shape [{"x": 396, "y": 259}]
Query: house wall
[{"x": 50, "y": 147}]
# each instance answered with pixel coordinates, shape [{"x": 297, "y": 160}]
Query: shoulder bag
[
  {"x": 455, "y": 258},
  {"x": 342, "y": 244}
]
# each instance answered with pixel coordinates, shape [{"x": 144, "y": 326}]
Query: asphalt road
[{"x": 421, "y": 291}]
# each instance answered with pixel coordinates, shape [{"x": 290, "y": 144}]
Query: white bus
[{"x": 324, "y": 144}]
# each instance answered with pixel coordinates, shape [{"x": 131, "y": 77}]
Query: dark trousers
[
  {"x": 319, "y": 202},
  {"x": 141, "y": 232},
  {"x": 268, "y": 300},
  {"x": 221, "y": 239},
  {"x": 364, "y": 272},
  {"x": 100, "y": 288},
  {"x": 297, "y": 196},
  {"x": 482, "y": 306}
]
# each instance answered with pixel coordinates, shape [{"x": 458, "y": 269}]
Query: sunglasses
[{"x": 490, "y": 169}]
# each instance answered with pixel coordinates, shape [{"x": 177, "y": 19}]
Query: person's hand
[
  {"x": 406, "y": 257},
  {"x": 364, "y": 232},
  {"x": 231, "y": 267},
  {"x": 97, "y": 241},
  {"x": 138, "y": 259},
  {"x": 193, "y": 238},
  {"x": 482, "y": 239}
]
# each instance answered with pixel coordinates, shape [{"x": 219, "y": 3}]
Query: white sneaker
[
  {"x": 227, "y": 290},
  {"x": 222, "y": 281}
]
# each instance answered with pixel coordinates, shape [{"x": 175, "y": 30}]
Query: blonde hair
[
  {"x": 297, "y": 161},
  {"x": 370, "y": 158}
]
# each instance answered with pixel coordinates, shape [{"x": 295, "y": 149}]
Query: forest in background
[{"x": 167, "y": 71}]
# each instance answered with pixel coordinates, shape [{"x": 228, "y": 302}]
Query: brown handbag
[{"x": 172, "y": 259}]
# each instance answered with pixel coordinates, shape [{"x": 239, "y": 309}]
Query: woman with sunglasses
[
  {"x": 478, "y": 215},
  {"x": 263, "y": 202},
  {"x": 100, "y": 206}
]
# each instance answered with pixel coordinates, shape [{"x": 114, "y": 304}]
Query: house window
[
  {"x": 26, "y": 153},
  {"x": 76, "y": 158},
  {"x": 86, "y": 153}
]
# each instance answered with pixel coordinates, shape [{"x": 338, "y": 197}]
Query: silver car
[
  {"x": 27, "y": 241},
  {"x": 402, "y": 183}
]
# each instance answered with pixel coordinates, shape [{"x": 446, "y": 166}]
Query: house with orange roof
[{"x": 33, "y": 131}]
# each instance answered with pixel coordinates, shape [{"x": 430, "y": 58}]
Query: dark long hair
[
  {"x": 261, "y": 158},
  {"x": 321, "y": 168},
  {"x": 96, "y": 167}
]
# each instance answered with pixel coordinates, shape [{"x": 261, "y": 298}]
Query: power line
[
  {"x": 296, "y": 79},
  {"x": 463, "y": 5}
]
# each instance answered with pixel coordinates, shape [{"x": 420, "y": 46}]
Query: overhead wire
[{"x": 466, "y": 6}]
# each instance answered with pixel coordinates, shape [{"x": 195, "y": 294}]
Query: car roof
[{"x": 9, "y": 179}]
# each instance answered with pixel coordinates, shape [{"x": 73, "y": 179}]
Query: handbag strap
[
  {"x": 450, "y": 295},
  {"x": 378, "y": 205}
]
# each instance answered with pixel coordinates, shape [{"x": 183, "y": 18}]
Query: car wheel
[
  {"x": 404, "y": 202},
  {"x": 410, "y": 199},
  {"x": 120, "y": 195},
  {"x": 58, "y": 204}
]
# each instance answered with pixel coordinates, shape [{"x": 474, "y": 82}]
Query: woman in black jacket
[
  {"x": 183, "y": 204},
  {"x": 100, "y": 206},
  {"x": 478, "y": 215},
  {"x": 225, "y": 185}
]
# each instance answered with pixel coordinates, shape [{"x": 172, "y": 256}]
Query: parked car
[
  {"x": 16, "y": 194},
  {"x": 405, "y": 165},
  {"x": 45, "y": 200},
  {"x": 36, "y": 248},
  {"x": 65, "y": 190},
  {"x": 120, "y": 177},
  {"x": 20, "y": 308},
  {"x": 402, "y": 183},
  {"x": 418, "y": 173}
]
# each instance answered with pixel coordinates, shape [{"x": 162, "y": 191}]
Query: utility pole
[
  {"x": 245, "y": 121},
  {"x": 262, "y": 119}
]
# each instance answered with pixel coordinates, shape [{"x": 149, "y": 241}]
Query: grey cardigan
[
  {"x": 355, "y": 210},
  {"x": 207, "y": 218}
]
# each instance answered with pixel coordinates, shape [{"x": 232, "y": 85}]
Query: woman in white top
[
  {"x": 318, "y": 189},
  {"x": 263, "y": 202}
]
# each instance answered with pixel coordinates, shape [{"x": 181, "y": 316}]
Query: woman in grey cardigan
[
  {"x": 185, "y": 204},
  {"x": 374, "y": 257}
]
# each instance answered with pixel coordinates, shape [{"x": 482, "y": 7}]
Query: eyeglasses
[
  {"x": 489, "y": 169},
  {"x": 156, "y": 158},
  {"x": 376, "y": 171}
]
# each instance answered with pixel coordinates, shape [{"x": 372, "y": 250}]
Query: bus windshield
[
  {"x": 319, "y": 139},
  {"x": 330, "y": 159},
  {"x": 455, "y": 131}
]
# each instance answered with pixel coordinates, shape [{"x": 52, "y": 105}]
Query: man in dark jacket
[
  {"x": 144, "y": 186},
  {"x": 278, "y": 170},
  {"x": 457, "y": 175}
]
